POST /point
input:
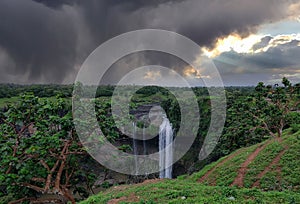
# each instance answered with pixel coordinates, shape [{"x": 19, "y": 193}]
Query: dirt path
[
  {"x": 268, "y": 168},
  {"x": 206, "y": 175},
  {"x": 239, "y": 180}
]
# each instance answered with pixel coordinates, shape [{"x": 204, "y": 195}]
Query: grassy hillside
[
  {"x": 186, "y": 191},
  {"x": 273, "y": 166}
]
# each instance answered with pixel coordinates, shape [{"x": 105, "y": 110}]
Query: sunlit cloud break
[
  {"x": 235, "y": 43},
  {"x": 232, "y": 42},
  {"x": 152, "y": 75},
  {"x": 191, "y": 72},
  {"x": 279, "y": 40}
]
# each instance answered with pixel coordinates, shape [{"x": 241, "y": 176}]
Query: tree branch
[
  {"x": 36, "y": 188},
  {"x": 38, "y": 179}
]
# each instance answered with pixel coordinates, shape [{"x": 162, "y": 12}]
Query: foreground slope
[
  {"x": 273, "y": 165},
  {"x": 186, "y": 191}
]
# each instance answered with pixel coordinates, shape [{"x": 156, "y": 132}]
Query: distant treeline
[
  {"x": 49, "y": 90},
  {"x": 11, "y": 90}
]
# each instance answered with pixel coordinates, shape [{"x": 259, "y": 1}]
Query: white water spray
[
  {"x": 135, "y": 150},
  {"x": 165, "y": 149}
]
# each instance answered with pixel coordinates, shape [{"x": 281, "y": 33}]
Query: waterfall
[
  {"x": 145, "y": 152},
  {"x": 144, "y": 142},
  {"x": 135, "y": 150},
  {"x": 165, "y": 154}
]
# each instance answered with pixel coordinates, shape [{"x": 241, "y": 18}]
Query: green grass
[
  {"x": 290, "y": 163},
  {"x": 224, "y": 174},
  {"x": 283, "y": 176},
  {"x": 185, "y": 191},
  {"x": 282, "y": 187},
  {"x": 196, "y": 176},
  {"x": 289, "y": 176},
  {"x": 263, "y": 160}
]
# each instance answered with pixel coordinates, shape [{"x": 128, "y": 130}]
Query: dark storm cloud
[
  {"x": 279, "y": 57},
  {"x": 204, "y": 21},
  {"x": 128, "y": 4},
  {"x": 201, "y": 20},
  {"x": 139, "y": 59},
  {"x": 56, "y": 3},
  {"x": 47, "y": 39},
  {"x": 263, "y": 43},
  {"x": 40, "y": 41}
]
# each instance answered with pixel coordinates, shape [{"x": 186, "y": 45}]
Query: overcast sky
[{"x": 46, "y": 41}]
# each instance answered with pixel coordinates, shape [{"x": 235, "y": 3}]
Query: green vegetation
[
  {"x": 186, "y": 191},
  {"x": 283, "y": 175},
  {"x": 224, "y": 175},
  {"x": 45, "y": 90},
  {"x": 261, "y": 162},
  {"x": 290, "y": 163},
  {"x": 42, "y": 154},
  {"x": 13, "y": 101},
  {"x": 40, "y": 150},
  {"x": 6, "y": 101}
]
